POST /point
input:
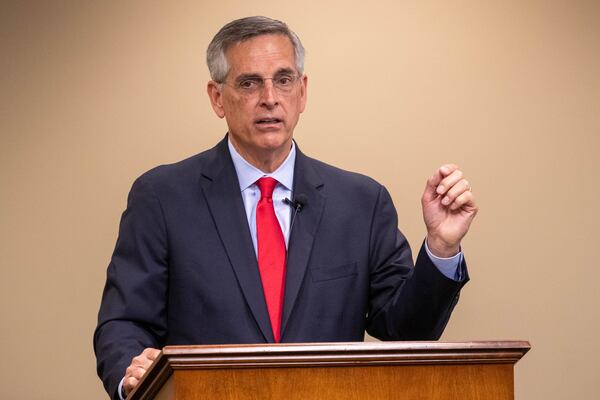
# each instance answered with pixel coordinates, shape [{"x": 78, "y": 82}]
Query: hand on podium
[{"x": 138, "y": 367}]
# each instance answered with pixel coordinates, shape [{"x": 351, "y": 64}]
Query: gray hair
[{"x": 243, "y": 29}]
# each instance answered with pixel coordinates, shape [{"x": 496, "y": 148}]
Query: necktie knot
[{"x": 266, "y": 186}]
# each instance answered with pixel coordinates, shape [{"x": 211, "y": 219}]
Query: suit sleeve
[
  {"x": 406, "y": 302},
  {"x": 132, "y": 313}
]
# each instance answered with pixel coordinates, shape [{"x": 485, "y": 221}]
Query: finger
[
  {"x": 447, "y": 169},
  {"x": 459, "y": 188},
  {"x": 465, "y": 199},
  {"x": 430, "y": 187},
  {"x": 129, "y": 384},
  {"x": 141, "y": 361},
  {"x": 151, "y": 353},
  {"x": 449, "y": 181},
  {"x": 431, "y": 193},
  {"x": 443, "y": 172},
  {"x": 135, "y": 372}
]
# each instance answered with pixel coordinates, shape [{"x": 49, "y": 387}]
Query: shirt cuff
[
  {"x": 449, "y": 266},
  {"x": 120, "y": 389}
]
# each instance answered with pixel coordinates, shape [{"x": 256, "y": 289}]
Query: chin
[{"x": 274, "y": 141}]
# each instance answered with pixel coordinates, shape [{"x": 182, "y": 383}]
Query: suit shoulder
[
  {"x": 177, "y": 173},
  {"x": 332, "y": 175}
]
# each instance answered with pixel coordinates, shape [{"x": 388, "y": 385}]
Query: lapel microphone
[{"x": 297, "y": 204}]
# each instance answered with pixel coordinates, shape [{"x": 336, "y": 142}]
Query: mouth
[{"x": 268, "y": 121}]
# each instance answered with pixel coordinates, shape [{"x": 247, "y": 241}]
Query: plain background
[{"x": 92, "y": 94}]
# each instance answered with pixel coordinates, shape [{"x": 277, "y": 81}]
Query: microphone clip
[{"x": 296, "y": 205}]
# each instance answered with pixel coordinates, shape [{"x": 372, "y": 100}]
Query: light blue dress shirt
[{"x": 248, "y": 174}]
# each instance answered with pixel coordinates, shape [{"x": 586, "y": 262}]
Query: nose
[{"x": 268, "y": 95}]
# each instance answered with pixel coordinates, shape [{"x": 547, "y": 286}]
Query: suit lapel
[
  {"x": 308, "y": 183},
  {"x": 222, "y": 192}
]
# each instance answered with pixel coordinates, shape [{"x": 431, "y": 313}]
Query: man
[{"x": 254, "y": 242}]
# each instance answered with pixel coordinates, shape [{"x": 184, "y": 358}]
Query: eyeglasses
[{"x": 252, "y": 84}]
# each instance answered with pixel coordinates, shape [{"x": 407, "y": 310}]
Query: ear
[
  {"x": 216, "y": 98},
  {"x": 303, "y": 92}
]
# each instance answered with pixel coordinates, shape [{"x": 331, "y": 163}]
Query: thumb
[{"x": 430, "y": 193}]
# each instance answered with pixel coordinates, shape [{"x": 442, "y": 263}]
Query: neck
[{"x": 268, "y": 160}]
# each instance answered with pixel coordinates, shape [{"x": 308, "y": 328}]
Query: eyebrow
[
  {"x": 282, "y": 71},
  {"x": 252, "y": 76}
]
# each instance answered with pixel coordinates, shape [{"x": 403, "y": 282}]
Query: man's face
[{"x": 260, "y": 120}]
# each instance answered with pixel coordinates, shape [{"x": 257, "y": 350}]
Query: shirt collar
[{"x": 248, "y": 174}]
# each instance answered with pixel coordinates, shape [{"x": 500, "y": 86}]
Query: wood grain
[{"x": 464, "y": 382}]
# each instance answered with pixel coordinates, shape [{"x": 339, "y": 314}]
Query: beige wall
[{"x": 94, "y": 93}]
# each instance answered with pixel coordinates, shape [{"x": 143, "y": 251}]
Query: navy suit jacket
[{"x": 184, "y": 270}]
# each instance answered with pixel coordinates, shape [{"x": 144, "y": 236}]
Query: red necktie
[{"x": 271, "y": 253}]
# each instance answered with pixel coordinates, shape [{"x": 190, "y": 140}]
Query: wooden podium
[{"x": 361, "y": 371}]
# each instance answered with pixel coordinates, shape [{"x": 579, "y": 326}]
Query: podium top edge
[{"x": 359, "y": 347}]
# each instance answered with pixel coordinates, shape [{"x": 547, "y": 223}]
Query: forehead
[{"x": 263, "y": 55}]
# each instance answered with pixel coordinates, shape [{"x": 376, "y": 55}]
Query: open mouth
[{"x": 268, "y": 121}]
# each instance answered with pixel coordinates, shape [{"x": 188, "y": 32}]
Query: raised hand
[{"x": 448, "y": 210}]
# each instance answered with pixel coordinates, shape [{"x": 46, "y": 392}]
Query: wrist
[{"x": 442, "y": 249}]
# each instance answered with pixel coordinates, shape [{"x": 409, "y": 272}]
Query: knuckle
[
  {"x": 150, "y": 353},
  {"x": 131, "y": 381},
  {"x": 454, "y": 192}
]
